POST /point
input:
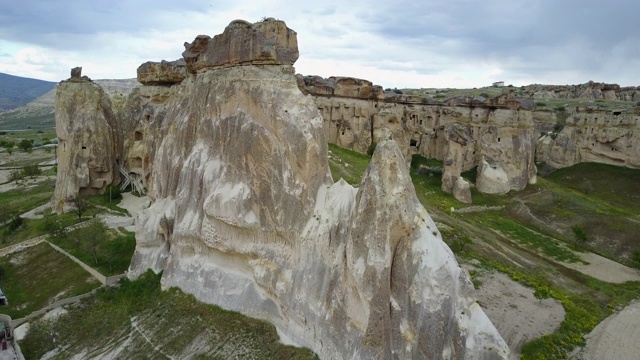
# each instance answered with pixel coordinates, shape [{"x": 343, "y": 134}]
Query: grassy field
[
  {"x": 106, "y": 250},
  {"x": 38, "y": 276},
  {"x": 173, "y": 324}
]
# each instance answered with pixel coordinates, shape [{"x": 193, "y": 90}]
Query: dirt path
[
  {"x": 604, "y": 269},
  {"x": 616, "y": 337},
  {"x": 515, "y": 312}
]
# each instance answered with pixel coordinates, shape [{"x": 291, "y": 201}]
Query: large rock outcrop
[
  {"x": 85, "y": 125},
  {"x": 458, "y": 131},
  {"x": 592, "y": 135},
  {"x": 268, "y": 42},
  {"x": 245, "y": 215}
]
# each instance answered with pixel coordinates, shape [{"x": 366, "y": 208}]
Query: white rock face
[
  {"x": 492, "y": 179},
  {"x": 245, "y": 215}
]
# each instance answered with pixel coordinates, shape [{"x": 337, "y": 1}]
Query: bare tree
[{"x": 80, "y": 205}]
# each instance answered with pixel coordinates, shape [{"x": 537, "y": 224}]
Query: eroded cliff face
[
  {"x": 85, "y": 125},
  {"x": 245, "y": 215},
  {"x": 460, "y": 131},
  {"x": 610, "y": 137}
]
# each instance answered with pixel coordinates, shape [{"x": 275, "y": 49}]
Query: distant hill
[
  {"x": 40, "y": 113},
  {"x": 16, "y": 91}
]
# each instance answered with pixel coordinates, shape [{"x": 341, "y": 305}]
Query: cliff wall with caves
[
  {"x": 504, "y": 136},
  {"x": 463, "y": 132},
  {"x": 244, "y": 213}
]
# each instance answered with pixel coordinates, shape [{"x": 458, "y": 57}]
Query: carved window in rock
[
  {"x": 135, "y": 163},
  {"x": 413, "y": 142},
  {"x": 85, "y": 151},
  {"x": 138, "y": 136}
]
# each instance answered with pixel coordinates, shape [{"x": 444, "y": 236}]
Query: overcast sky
[{"x": 434, "y": 43}]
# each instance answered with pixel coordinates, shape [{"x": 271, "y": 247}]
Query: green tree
[
  {"x": 25, "y": 145},
  {"x": 54, "y": 228},
  {"x": 579, "y": 233},
  {"x": 92, "y": 237},
  {"x": 32, "y": 170}
]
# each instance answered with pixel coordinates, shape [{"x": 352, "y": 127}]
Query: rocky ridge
[{"x": 245, "y": 215}]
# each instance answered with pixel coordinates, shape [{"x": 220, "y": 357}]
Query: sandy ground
[
  {"x": 21, "y": 331},
  {"x": 616, "y": 337},
  {"x": 515, "y": 312},
  {"x": 133, "y": 203},
  {"x": 604, "y": 269}
]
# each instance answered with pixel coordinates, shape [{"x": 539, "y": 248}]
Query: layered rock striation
[{"x": 244, "y": 214}]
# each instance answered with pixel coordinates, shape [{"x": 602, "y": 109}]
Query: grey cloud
[{"x": 70, "y": 24}]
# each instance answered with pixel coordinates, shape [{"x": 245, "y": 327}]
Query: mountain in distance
[
  {"x": 40, "y": 112},
  {"x": 16, "y": 91}
]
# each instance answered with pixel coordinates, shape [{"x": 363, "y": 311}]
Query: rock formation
[
  {"x": 244, "y": 213},
  {"x": 590, "y": 90},
  {"x": 593, "y": 135},
  {"x": 85, "y": 125},
  {"x": 459, "y": 131}
]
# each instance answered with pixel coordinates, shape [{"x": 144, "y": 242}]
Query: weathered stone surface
[
  {"x": 244, "y": 212},
  {"x": 492, "y": 179},
  {"x": 346, "y": 87},
  {"x": 162, "y": 73},
  {"x": 590, "y": 90},
  {"x": 462, "y": 190},
  {"x": 268, "y": 42},
  {"x": 86, "y": 145},
  {"x": 610, "y": 137},
  {"x": 256, "y": 225}
]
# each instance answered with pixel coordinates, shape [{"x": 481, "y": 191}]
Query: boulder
[
  {"x": 162, "y": 73},
  {"x": 462, "y": 190},
  {"x": 268, "y": 42},
  {"x": 491, "y": 178}
]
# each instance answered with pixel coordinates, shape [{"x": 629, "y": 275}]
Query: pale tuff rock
[
  {"x": 458, "y": 131},
  {"x": 492, "y": 179},
  {"x": 462, "y": 190},
  {"x": 85, "y": 126},
  {"x": 244, "y": 215},
  {"x": 610, "y": 137}
]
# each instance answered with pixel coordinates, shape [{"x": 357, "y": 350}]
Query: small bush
[
  {"x": 31, "y": 170},
  {"x": 15, "y": 223},
  {"x": 112, "y": 192}
]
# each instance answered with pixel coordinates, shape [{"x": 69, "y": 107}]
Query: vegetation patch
[
  {"x": 105, "y": 250},
  {"x": 175, "y": 323},
  {"x": 38, "y": 276}
]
